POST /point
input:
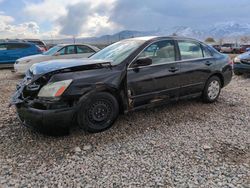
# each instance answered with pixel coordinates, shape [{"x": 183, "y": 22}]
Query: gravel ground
[{"x": 187, "y": 144}]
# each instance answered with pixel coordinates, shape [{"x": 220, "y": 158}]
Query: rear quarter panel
[{"x": 224, "y": 68}]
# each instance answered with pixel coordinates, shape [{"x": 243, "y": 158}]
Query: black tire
[
  {"x": 98, "y": 112},
  {"x": 211, "y": 93}
]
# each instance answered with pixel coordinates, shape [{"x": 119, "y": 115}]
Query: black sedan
[
  {"x": 242, "y": 64},
  {"x": 123, "y": 77}
]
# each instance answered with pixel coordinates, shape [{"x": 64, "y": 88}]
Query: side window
[
  {"x": 3, "y": 47},
  {"x": 160, "y": 52},
  {"x": 206, "y": 52},
  {"x": 15, "y": 46},
  {"x": 24, "y": 46},
  {"x": 84, "y": 49},
  {"x": 70, "y": 50},
  {"x": 62, "y": 51},
  {"x": 190, "y": 50}
]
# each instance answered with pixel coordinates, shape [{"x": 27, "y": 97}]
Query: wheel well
[{"x": 220, "y": 76}]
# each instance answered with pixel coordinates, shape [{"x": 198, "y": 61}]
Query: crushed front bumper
[
  {"x": 48, "y": 116},
  {"x": 46, "y": 121}
]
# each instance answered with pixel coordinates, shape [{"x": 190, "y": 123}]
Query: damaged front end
[
  {"x": 48, "y": 101},
  {"x": 47, "y": 115}
]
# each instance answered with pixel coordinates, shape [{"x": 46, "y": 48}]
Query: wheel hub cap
[{"x": 213, "y": 89}]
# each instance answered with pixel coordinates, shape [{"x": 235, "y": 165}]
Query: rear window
[
  {"x": 14, "y": 46},
  {"x": 39, "y": 43}
]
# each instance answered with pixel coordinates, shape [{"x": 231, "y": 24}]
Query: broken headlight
[{"x": 55, "y": 89}]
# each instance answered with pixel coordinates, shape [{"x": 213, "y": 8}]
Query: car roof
[
  {"x": 147, "y": 38},
  {"x": 70, "y": 44},
  {"x": 33, "y": 39},
  {"x": 12, "y": 42}
]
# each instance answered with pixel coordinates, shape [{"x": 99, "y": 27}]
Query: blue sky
[{"x": 64, "y": 18}]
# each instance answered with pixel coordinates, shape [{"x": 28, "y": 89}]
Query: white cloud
[
  {"x": 74, "y": 17},
  {"x": 10, "y": 30},
  {"x": 48, "y": 10},
  {"x": 97, "y": 25}
]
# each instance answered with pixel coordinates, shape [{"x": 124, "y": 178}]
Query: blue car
[{"x": 11, "y": 51}]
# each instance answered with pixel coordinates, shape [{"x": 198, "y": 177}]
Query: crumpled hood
[{"x": 53, "y": 65}]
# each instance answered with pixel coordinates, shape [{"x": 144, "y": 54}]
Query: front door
[{"x": 156, "y": 82}]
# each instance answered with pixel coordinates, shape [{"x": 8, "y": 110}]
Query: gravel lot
[{"x": 187, "y": 144}]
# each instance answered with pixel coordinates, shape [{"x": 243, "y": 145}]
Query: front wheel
[
  {"x": 212, "y": 89},
  {"x": 98, "y": 113}
]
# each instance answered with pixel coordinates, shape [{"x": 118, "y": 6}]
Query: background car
[
  {"x": 242, "y": 64},
  {"x": 61, "y": 51},
  {"x": 230, "y": 48},
  {"x": 11, "y": 51},
  {"x": 39, "y": 43},
  {"x": 244, "y": 48}
]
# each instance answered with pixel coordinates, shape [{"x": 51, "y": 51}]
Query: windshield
[
  {"x": 118, "y": 52},
  {"x": 53, "y": 50}
]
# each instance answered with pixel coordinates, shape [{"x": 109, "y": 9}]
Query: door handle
[
  {"x": 173, "y": 69},
  {"x": 208, "y": 63}
]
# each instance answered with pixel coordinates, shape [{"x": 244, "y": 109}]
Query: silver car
[{"x": 61, "y": 51}]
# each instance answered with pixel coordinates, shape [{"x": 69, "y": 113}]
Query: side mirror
[
  {"x": 57, "y": 54},
  {"x": 144, "y": 61}
]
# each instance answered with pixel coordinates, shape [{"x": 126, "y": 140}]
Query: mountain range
[{"x": 229, "y": 31}]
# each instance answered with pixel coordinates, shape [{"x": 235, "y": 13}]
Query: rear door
[
  {"x": 195, "y": 64},
  {"x": 17, "y": 50},
  {"x": 156, "y": 82},
  {"x": 3, "y": 53}
]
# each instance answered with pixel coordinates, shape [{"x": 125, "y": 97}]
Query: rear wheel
[
  {"x": 212, "y": 89},
  {"x": 98, "y": 113}
]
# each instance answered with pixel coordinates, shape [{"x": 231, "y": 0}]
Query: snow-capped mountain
[
  {"x": 229, "y": 29},
  {"x": 226, "y": 30}
]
